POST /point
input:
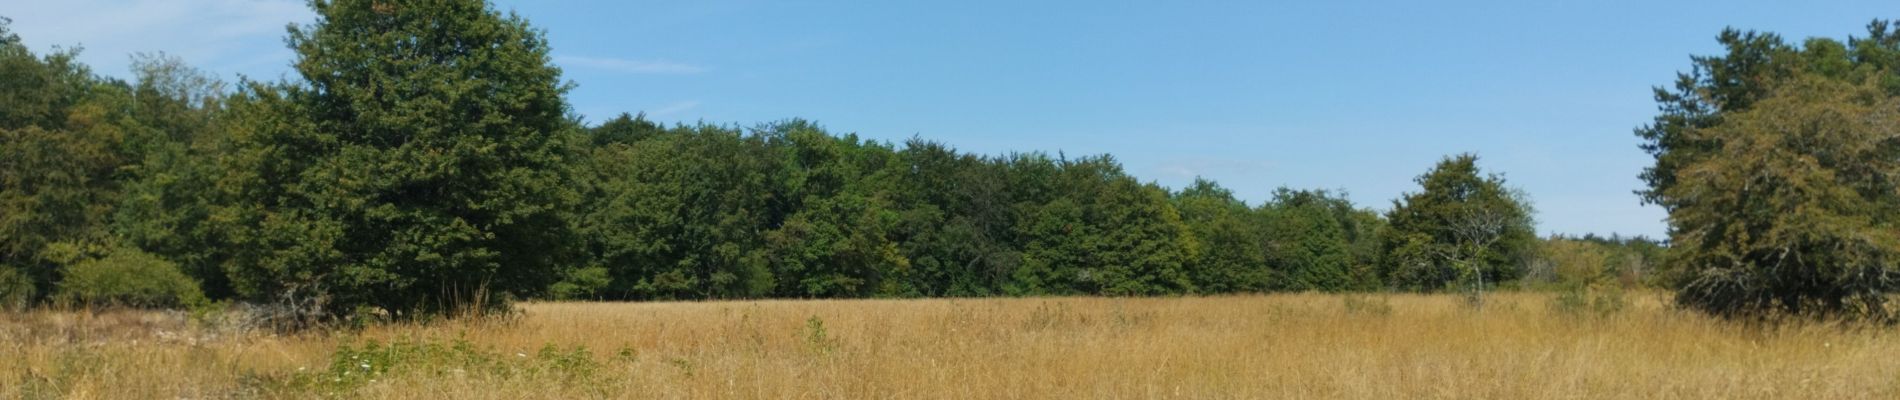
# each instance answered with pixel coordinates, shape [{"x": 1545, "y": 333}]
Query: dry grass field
[{"x": 1277, "y": 346}]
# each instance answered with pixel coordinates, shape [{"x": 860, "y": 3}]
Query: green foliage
[
  {"x": 681, "y": 213},
  {"x": 1300, "y": 240},
  {"x": 1319, "y": 241},
  {"x": 581, "y": 283},
  {"x": 1588, "y": 276},
  {"x": 1564, "y": 261},
  {"x": 85, "y": 159},
  {"x": 124, "y": 277},
  {"x": 1775, "y": 162},
  {"x": 423, "y": 161},
  {"x": 789, "y": 210},
  {"x": 1099, "y": 232},
  {"x": 1232, "y": 238},
  {"x": 1590, "y": 300},
  {"x": 353, "y": 366},
  {"x": 39, "y": 91},
  {"x": 1464, "y": 227},
  {"x": 624, "y": 129},
  {"x": 166, "y": 205},
  {"x": 1754, "y": 62},
  {"x": 1795, "y": 216},
  {"x": 956, "y": 221},
  {"x": 63, "y": 136},
  {"x": 16, "y": 288},
  {"x": 836, "y": 242},
  {"x": 415, "y": 169},
  {"x": 1368, "y": 305},
  {"x": 817, "y": 338}
]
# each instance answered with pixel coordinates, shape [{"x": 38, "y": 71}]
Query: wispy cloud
[
  {"x": 674, "y": 108},
  {"x": 1189, "y": 169},
  {"x": 629, "y": 66},
  {"x": 220, "y": 35}
]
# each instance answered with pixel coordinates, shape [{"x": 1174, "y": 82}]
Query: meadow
[{"x": 1271, "y": 346}]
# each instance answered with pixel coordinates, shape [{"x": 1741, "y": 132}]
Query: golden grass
[{"x": 1276, "y": 346}]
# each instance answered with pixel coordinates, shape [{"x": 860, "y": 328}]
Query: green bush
[
  {"x": 16, "y": 289},
  {"x": 353, "y": 367},
  {"x": 1590, "y": 300},
  {"x": 127, "y": 278},
  {"x": 1368, "y": 305},
  {"x": 581, "y": 283}
]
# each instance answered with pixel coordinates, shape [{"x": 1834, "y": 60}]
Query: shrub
[
  {"x": 1368, "y": 305},
  {"x": 1590, "y": 300},
  {"x": 16, "y": 288},
  {"x": 581, "y": 283},
  {"x": 127, "y": 277},
  {"x": 1586, "y": 277}
]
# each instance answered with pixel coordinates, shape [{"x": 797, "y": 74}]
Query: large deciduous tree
[
  {"x": 1092, "y": 229},
  {"x": 1232, "y": 238},
  {"x": 836, "y": 240},
  {"x": 680, "y": 214},
  {"x": 1462, "y": 225},
  {"x": 1319, "y": 241},
  {"x": 1775, "y": 163},
  {"x": 1796, "y": 214},
  {"x": 418, "y": 167},
  {"x": 956, "y": 221},
  {"x": 62, "y": 152}
]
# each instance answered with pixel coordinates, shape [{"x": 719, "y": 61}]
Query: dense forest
[{"x": 423, "y": 160}]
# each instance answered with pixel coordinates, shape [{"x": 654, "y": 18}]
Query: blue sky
[{"x": 1354, "y": 95}]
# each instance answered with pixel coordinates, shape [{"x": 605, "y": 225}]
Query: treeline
[
  {"x": 416, "y": 170},
  {"x": 788, "y": 210}
]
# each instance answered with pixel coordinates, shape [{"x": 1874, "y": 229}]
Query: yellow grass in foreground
[{"x": 1279, "y": 346}]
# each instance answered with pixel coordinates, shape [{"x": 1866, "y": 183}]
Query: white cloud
[
  {"x": 223, "y": 36},
  {"x": 1178, "y": 171},
  {"x": 628, "y": 66},
  {"x": 1207, "y": 168},
  {"x": 674, "y": 108}
]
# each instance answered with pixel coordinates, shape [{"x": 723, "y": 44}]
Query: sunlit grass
[{"x": 1277, "y": 346}]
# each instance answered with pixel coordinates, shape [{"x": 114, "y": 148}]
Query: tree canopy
[
  {"x": 1776, "y": 164},
  {"x": 420, "y": 164},
  {"x": 424, "y": 161},
  {"x": 1463, "y": 225}
]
